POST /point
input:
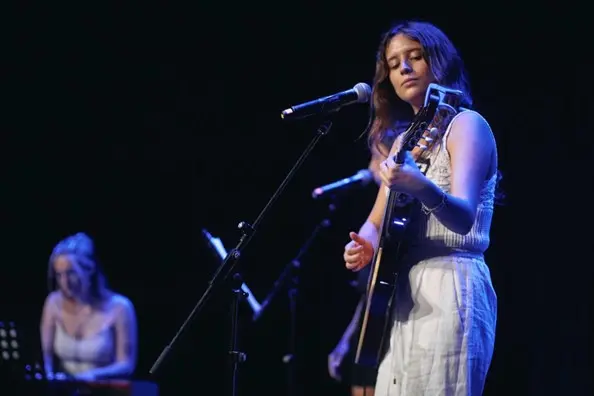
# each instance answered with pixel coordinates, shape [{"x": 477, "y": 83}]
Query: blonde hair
[{"x": 82, "y": 247}]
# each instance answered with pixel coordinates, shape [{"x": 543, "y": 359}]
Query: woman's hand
[
  {"x": 406, "y": 178},
  {"x": 358, "y": 252},
  {"x": 85, "y": 376}
]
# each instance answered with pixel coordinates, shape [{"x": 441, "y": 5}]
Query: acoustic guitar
[{"x": 400, "y": 209}]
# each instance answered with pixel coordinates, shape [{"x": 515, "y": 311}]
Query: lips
[{"x": 408, "y": 81}]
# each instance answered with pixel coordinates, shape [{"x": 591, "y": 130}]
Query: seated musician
[{"x": 88, "y": 332}]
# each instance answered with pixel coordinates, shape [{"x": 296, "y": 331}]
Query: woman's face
[
  {"x": 410, "y": 74},
  {"x": 72, "y": 280}
]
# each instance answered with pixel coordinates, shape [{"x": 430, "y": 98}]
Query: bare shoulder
[
  {"x": 52, "y": 306},
  {"x": 53, "y": 300},
  {"x": 121, "y": 303},
  {"x": 54, "y": 296},
  {"x": 472, "y": 149},
  {"x": 470, "y": 125}
]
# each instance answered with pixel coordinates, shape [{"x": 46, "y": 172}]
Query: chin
[{"x": 413, "y": 96}]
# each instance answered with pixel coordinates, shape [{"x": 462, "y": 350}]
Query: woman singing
[{"x": 444, "y": 312}]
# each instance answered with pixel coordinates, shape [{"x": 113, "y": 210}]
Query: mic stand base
[
  {"x": 236, "y": 356},
  {"x": 248, "y": 231}
]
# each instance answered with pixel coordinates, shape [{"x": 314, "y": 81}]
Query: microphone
[
  {"x": 360, "y": 93},
  {"x": 361, "y": 178},
  {"x": 216, "y": 245}
]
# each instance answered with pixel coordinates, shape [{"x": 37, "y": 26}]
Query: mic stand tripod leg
[
  {"x": 236, "y": 356},
  {"x": 289, "y": 359}
]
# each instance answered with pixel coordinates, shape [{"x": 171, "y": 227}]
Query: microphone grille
[
  {"x": 366, "y": 175},
  {"x": 363, "y": 92}
]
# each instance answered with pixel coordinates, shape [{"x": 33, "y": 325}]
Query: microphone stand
[
  {"x": 290, "y": 277},
  {"x": 228, "y": 265}
]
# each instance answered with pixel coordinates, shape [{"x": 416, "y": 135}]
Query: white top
[
  {"x": 445, "y": 310},
  {"x": 432, "y": 233},
  {"x": 88, "y": 339},
  {"x": 82, "y": 354}
]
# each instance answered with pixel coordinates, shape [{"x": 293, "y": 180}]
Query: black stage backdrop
[{"x": 143, "y": 126}]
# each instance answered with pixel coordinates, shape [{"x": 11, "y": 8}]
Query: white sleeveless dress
[
  {"x": 78, "y": 355},
  {"x": 445, "y": 311},
  {"x": 97, "y": 348}
]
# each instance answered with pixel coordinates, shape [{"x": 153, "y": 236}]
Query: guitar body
[
  {"x": 400, "y": 212},
  {"x": 376, "y": 318}
]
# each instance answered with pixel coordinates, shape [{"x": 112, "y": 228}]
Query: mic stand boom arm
[{"x": 228, "y": 265}]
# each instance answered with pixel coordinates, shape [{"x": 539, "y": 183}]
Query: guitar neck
[{"x": 393, "y": 198}]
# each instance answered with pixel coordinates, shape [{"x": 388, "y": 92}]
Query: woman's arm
[
  {"x": 370, "y": 229},
  {"x": 47, "y": 331},
  {"x": 126, "y": 344},
  {"x": 471, "y": 146}
]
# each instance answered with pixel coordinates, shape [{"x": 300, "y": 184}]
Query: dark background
[{"x": 143, "y": 126}]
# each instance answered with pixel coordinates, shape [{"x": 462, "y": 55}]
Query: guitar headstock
[
  {"x": 438, "y": 95},
  {"x": 435, "y": 98}
]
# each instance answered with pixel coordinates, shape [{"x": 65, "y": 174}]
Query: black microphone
[
  {"x": 360, "y": 93},
  {"x": 361, "y": 178}
]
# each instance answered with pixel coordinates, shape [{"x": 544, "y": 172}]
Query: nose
[{"x": 405, "y": 68}]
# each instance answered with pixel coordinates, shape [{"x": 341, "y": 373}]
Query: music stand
[{"x": 17, "y": 358}]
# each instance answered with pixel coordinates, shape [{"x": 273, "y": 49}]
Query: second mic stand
[
  {"x": 231, "y": 260},
  {"x": 290, "y": 278},
  {"x": 235, "y": 354}
]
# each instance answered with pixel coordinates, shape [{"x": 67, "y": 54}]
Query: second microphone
[{"x": 359, "y": 179}]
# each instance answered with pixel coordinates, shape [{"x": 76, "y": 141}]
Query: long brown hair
[{"x": 389, "y": 112}]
